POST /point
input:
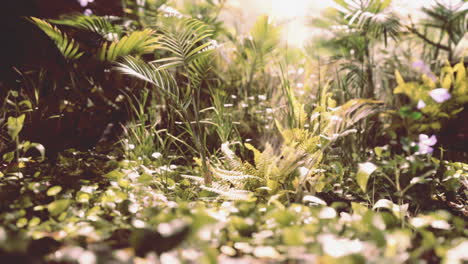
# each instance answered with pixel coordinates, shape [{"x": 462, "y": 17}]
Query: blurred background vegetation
[{"x": 134, "y": 123}]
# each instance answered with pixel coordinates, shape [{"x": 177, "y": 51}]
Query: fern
[
  {"x": 226, "y": 184},
  {"x": 274, "y": 169},
  {"x": 67, "y": 46}
]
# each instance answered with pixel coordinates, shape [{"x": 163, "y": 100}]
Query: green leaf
[
  {"x": 114, "y": 175},
  {"x": 293, "y": 236},
  {"x": 22, "y": 222},
  {"x": 40, "y": 148},
  {"x": 54, "y": 190},
  {"x": 364, "y": 172},
  {"x": 359, "y": 208},
  {"x": 378, "y": 151},
  {"x": 15, "y": 125},
  {"x": 9, "y": 156},
  {"x": 83, "y": 197},
  {"x": 145, "y": 178},
  {"x": 416, "y": 115},
  {"x": 57, "y": 207},
  {"x": 34, "y": 222},
  {"x": 67, "y": 46}
]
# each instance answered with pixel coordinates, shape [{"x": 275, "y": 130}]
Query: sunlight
[{"x": 293, "y": 14}]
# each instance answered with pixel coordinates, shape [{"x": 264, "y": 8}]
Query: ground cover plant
[{"x": 163, "y": 135}]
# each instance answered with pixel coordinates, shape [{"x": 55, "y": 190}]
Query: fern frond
[
  {"x": 236, "y": 178},
  {"x": 220, "y": 188},
  {"x": 233, "y": 161},
  {"x": 226, "y": 192},
  {"x": 67, "y": 46},
  {"x": 196, "y": 179}
]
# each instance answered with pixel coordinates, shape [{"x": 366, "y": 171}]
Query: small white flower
[
  {"x": 170, "y": 11},
  {"x": 440, "y": 95},
  {"x": 262, "y": 97},
  {"x": 421, "y": 104},
  {"x": 339, "y": 247},
  {"x": 327, "y": 213},
  {"x": 303, "y": 171},
  {"x": 111, "y": 37},
  {"x": 458, "y": 254},
  {"x": 266, "y": 252},
  {"x": 156, "y": 155}
]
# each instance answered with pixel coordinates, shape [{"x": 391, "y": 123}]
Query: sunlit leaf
[
  {"x": 364, "y": 172},
  {"x": 54, "y": 190},
  {"x": 57, "y": 207}
]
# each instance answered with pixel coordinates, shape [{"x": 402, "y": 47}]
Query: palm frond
[
  {"x": 350, "y": 114},
  {"x": 199, "y": 69},
  {"x": 450, "y": 18},
  {"x": 265, "y": 36},
  {"x": 372, "y": 17},
  {"x": 101, "y": 25},
  {"x": 147, "y": 72},
  {"x": 187, "y": 42},
  {"x": 138, "y": 42},
  {"x": 67, "y": 46}
]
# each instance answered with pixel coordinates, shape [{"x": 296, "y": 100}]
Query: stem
[{"x": 198, "y": 132}]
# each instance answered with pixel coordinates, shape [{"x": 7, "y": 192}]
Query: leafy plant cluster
[{"x": 170, "y": 137}]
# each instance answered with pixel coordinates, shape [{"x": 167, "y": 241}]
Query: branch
[{"x": 423, "y": 37}]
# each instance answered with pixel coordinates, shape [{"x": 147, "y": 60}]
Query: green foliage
[
  {"x": 15, "y": 125},
  {"x": 113, "y": 45},
  {"x": 309, "y": 169},
  {"x": 67, "y": 46},
  {"x": 186, "y": 43},
  {"x": 434, "y": 114},
  {"x": 136, "y": 43},
  {"x": 372, "y": 17}
]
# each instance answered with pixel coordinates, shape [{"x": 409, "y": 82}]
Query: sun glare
[{"x": 293, "y": 14}]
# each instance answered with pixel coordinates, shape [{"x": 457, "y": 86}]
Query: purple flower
[
  {"x": 418, "y": 65},
  {"x": 421, "y": 104},
  {"x": 88, "y": 12},
  {"x": 440, "y": 95},
  {"x": 421, "y": 67},
  {"x": 425, "y": 144},
  {"x": 84, "y": 3}
]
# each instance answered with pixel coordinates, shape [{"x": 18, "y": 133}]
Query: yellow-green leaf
[
  {"x": 54, "y": 190},
  {"x": 57, "y": 207},
  {"x": 364, "y": 172}
]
